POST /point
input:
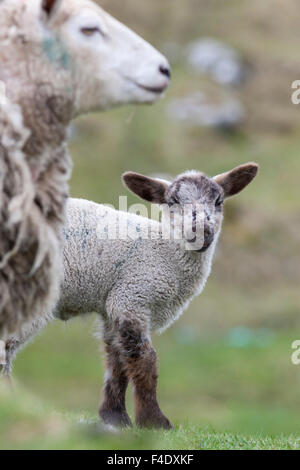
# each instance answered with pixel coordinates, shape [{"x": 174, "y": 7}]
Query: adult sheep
[{"x": 58, "y": 59}]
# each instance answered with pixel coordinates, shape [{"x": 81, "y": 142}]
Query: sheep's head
[
  {"x": 193, "y": 202},
  {"x": 78, "y": 48},
  {"x": 109, "y": 65}
]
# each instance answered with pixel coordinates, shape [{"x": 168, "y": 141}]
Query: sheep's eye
[
  {"x": 90, "y": 31},
  {"x": 219, "y": 201}
]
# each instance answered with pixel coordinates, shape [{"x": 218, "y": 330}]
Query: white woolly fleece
[{"x": 151, "y": 281}]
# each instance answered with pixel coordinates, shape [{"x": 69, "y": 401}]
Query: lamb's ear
[
  {"x": 50, "y": 6},
  {"x": 237, "y": 179},
  {"x": 149, "y": 189}
]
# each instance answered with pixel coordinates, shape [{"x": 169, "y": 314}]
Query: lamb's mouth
[{"x": 201, "y": 250}]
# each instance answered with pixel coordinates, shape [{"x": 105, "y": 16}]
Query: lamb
[
  {"x": 140, "y": 284},
  {"x": 58, "y": 59}
]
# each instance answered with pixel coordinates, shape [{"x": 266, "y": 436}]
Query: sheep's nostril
[{"x": 165, "y": 70}]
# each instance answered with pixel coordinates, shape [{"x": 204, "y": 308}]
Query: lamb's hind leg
[
  {"x": 113, "y": 410},
  {"x": 141, "y": 364}
]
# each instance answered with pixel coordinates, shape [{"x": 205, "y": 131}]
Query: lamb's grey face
[
  {"x": 109, "y": 64},
  {"x": 193, "y": 202},
  {"x": 199, "y": 199}
]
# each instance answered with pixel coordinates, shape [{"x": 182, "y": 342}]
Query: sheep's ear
[
  {"x": 50, "y": 6},
  {"x": 149, "y": 189},
  {"x": 237, "y": 179}
]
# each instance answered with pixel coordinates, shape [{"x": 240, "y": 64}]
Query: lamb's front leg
[
  {"x": 141, "y": 362},
  {"x": 113, "y": 410}
]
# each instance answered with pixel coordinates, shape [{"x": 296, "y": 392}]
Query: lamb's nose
[{"x": 165, "y": 70}]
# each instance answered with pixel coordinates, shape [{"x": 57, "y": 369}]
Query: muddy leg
[
  {"x": 112, "y": 410},
  {"x": 141, "y": 364}
]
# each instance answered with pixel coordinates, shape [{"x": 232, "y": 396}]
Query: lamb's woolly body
[{"x": 148, "y": 280}]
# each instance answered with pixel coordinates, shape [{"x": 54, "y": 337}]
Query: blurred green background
[{"x": 226, "y": 365}]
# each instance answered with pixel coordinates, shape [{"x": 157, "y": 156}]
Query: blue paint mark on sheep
[
  {"x": 56, "y": 52},
  {"x": 81, "y": 234}
]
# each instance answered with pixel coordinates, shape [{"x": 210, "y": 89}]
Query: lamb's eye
[
  {"x": 90, "y": 31},
  {"x": 173, "y": 202},
  {"x": 219, "y": 201}
]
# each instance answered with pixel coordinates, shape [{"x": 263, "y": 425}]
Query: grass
[
  {"x": 40, "y": 429},
  {"x": 219, "y": 392},
  {"x": 35, "y": 426}
]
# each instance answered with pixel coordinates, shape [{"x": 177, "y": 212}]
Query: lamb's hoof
[
  {"x": 115, "y": 418},
  {"x": 159, "y": 421}
]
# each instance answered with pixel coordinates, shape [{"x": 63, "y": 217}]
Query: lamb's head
[
  {"x": 193, "y": 202},
  {"x": 79, "y": 48}
]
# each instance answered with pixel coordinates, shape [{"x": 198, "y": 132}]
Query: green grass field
[{"x": 220, "y": 393}]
